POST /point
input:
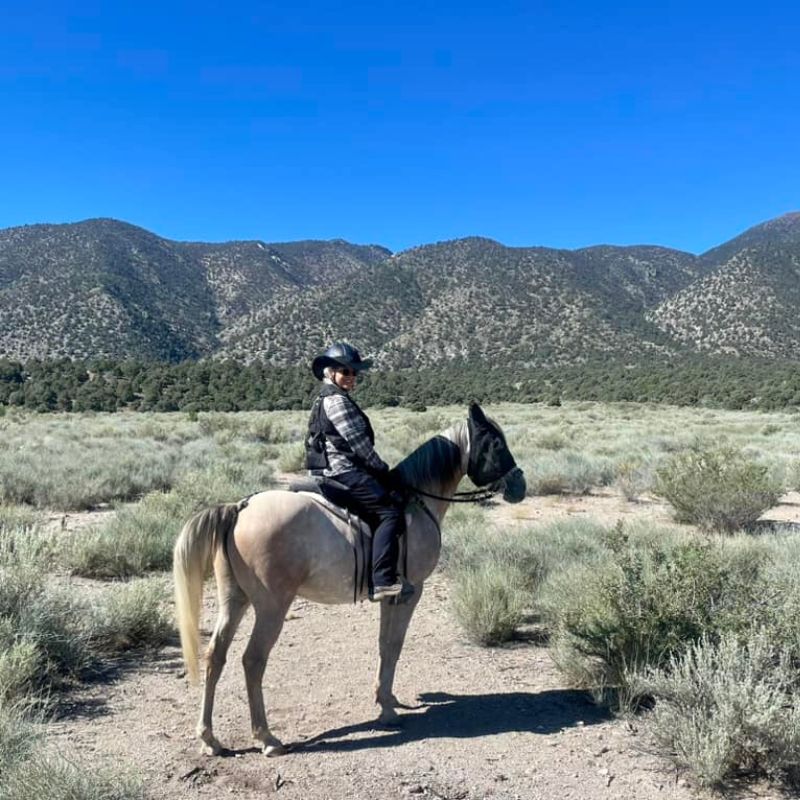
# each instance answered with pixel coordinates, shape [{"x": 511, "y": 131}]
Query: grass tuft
[
  {"x": 489, "y": 602},
  {"x": 131, "y": 615},
  {"x": 717, "y": 489},
  {"x": 727, "y": 709}
]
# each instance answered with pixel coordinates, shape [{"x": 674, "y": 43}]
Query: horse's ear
[{"x": 476, "y": 413}]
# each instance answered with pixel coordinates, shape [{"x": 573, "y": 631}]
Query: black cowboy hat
[{"x": 340, "y": 354}]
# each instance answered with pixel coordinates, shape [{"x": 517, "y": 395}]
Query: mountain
[
  {"x": 100, "y": 287},
  {"x": 107, "y": 288},
  {"x": 476, "y": 300},
  {"x": 783, "y": 231},
  {"x": 746, "y": 304}
]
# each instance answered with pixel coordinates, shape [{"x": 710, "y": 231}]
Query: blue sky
[{"x": 561, "y": 124}]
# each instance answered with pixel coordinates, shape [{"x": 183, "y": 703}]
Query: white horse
[{"x": 280, "y": 544}]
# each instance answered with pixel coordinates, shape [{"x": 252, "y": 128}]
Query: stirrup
[
  {"x": 406, "y": 593},
  {"x": 383, "y": 592}
]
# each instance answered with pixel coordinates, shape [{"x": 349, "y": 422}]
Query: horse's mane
[{"x": 435, "y": 462}]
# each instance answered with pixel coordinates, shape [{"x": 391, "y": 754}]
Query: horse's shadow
[
  {"x": 440, "y": 714},
  {"x": 79, "y": 702}
]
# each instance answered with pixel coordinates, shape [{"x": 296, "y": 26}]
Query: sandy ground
[{"x": 484, "y": 723}]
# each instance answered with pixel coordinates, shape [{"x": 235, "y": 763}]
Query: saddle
[{"x": 330, "y": 494}]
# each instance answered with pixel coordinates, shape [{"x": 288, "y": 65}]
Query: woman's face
[{"x": 344, "y": 378}]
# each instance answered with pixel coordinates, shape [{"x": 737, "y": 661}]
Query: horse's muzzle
[{"x": 514, "y": 486}]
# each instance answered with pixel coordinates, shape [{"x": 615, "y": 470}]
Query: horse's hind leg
[
  {"x": 394, "y": 624},
  {"x": 232, "y": 604},
  {"x": 270, "y": 614}
]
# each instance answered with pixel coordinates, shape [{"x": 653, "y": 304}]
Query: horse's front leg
[{"x": 394, "y": 624}]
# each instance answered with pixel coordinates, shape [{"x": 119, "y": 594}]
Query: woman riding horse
[
  {"x": 278, "y": 544},
  {"x": 341, "y": 445}
]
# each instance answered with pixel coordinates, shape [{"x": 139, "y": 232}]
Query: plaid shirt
[{"x": 350, "y": 426}]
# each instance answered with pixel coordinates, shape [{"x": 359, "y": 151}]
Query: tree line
[{"x": 106, "y": 385}]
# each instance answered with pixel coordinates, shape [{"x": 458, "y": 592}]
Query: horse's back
[{"x": 289, "y": 543}]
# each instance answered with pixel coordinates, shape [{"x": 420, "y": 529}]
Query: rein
[{"x": 476, "y": 496}]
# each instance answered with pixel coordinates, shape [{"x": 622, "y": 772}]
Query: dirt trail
[{"x": 486, "y": 723}]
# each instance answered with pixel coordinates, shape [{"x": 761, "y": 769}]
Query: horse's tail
[{"x": 197, "y": 544}]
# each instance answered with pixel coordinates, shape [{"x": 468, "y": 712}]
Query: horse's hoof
[
  {"x": 272, "y": 750},
  {"x": 211, "y": 748},
  {"x": 390, "y": 719}
]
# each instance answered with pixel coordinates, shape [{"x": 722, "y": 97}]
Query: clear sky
[{"x": 561, "y": 124}]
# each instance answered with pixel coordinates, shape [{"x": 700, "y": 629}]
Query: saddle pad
[{"x": 354, "y": 522}]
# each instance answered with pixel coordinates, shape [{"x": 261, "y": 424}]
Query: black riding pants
[{"x": 367, "y": 498}]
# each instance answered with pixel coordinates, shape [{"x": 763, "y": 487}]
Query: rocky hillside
[
  {"x": 746, "y": 304},
  {"x": 106, "y": 288}
]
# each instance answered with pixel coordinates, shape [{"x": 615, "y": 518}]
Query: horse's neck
[
  {"x": 446, "y": 487},
  {"x": 438, "y": 507}
]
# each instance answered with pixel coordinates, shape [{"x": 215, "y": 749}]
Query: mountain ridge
[{"x": 107, "y": 288}]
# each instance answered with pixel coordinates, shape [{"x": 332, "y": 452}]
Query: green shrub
[
  {"x": 556, "y": 546},
  {"x": 57, "y": 778},
  {"x": 777, "y": 610},
  {"x": 465, "y": 532},
  {"x": 68, "y": 474},
  {"x": 19, "y": 664},
  {"x": 728, "y": 708},
  {"x": 137, "y": 540},
  {"x": 634, "y": 478},
  {"x": 552, "y": 440},
  {"x": 140, "y": 538},
  {"x": 468, "y": 548},
  {"x": 567, "y": 472},
  {"x": 292, "y": 458},
  {"x": 262, "y": 429},
  {"x": 652, "y": 596},
  {"x": 19, "y": 738},
  {"x": 793, "y": 476},
  {"x": 131, "y": 615},
  {"x": 489, "y": 601},
  {"x": 213, "y": 422},
  {"x": 55, "y": 621},
  {"x": 18, "y": 517},
  {"x": 524, "y": 557},
  {"x": 721, "y": 490},
  {"x": 49, "y": 635}
]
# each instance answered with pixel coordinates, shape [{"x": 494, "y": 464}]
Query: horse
[{"x": 279, "y": 544}]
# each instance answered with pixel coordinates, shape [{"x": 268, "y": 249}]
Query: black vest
[{"x": 321, "y": 429}]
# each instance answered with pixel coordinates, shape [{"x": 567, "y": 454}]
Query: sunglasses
[{"x": 346, "y": 372}]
